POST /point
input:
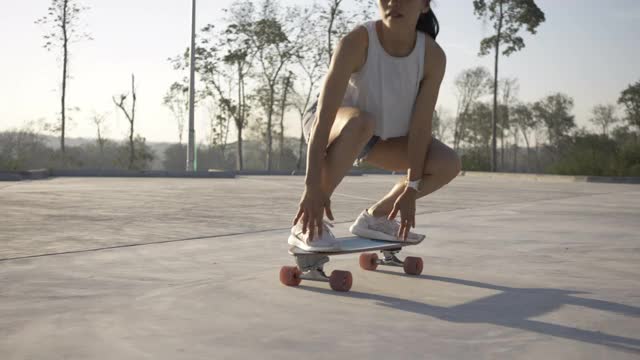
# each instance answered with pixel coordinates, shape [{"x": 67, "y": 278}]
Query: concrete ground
[{"x": 188, "y": 269}]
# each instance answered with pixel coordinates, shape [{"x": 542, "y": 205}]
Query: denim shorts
[{"x": 310, "y": 117}]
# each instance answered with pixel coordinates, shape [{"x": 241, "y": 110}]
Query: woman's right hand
[{"x": 313, "y": 205}]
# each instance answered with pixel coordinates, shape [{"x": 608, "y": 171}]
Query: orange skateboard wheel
[
  {"x": 413, "y": 265},
  {"x": 340, "y": 280},
  {"x": 290, "y": 275},
  {"x": 369, "y": 261}
]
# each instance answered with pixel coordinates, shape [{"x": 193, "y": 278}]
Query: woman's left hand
[{"x": 406, "y": 204}]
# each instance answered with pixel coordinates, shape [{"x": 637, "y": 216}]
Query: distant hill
[{"x": 249, "y": 147}]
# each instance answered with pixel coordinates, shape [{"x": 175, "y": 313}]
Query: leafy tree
[
  {"x": 22, "y": 150},
  {"x": 554, "y": 111},
  {"x": 177, "y": 100},
  {"x": 604, "y": 116},
  {"x": 525, "y": 121},
  {"x": 142, "y": 156},
  {"x": 479, "y": 134},
  {"x": 227, "y": 65},
  {"x": 471, "y": 84},
  {"x": 63, "y": 20},
  {"x": 275, "y": 42},
  {"x": 630, "y": 99},
  {"x": 508, "y": 17}
]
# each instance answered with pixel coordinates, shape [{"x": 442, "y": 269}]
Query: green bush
[
  {"x": 597, "y": 155},
  {"x": 476, "y": 159}
]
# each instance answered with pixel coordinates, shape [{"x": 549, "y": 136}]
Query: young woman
[{"x": 377, "y": 105}]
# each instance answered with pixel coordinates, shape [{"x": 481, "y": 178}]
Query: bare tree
[
  {"x": 509, "y": 89},
  {"x": 508, "y": 17},
  {"x": 514, "y": 132},
  {"x": 276, "y": 43},
  {"x": 333, "y": 11},
  {"x": 177, "y": 100},
  {"x": 286, "y": 86},
  {"x": 524, "y": 120},
  {"x": 120, "y": 103},
  {"x": 471, "y": 84},
  {"x": 218, "y": 128},
  {"x": 99, "y": 121},
  {"x": 441, "y": 123},
  {"x": 604, "y": 116},
  {"x": 63, "y": 18},
  {"x": 338, "y": 21},
  {"x": 311, "y": 60}
]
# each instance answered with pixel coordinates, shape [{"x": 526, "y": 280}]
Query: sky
[{"x": 587, "y": 49}]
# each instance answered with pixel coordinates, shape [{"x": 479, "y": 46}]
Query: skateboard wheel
[
  {"x": 369, "y": 261},
  {"x": 340, "y": 280},
  {"x": 413, "y": 265},
  {"x": 290, "y": 275}
]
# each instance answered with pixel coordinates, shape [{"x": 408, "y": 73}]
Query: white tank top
[{"x": 387, "y": 86}]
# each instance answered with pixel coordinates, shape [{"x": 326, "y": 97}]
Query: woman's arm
[
  {"x": 421, "y": 121},
  {"x": 347, "y": 59}
]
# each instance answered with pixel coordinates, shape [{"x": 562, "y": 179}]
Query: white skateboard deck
[{"x": 354, "y": 244}]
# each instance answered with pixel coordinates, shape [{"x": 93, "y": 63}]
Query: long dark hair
[{"x": 428, "y": 23}]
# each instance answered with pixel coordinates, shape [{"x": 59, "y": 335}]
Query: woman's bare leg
[
  {"x": 350, "y": 132},
  {"x": 441, "y": 166}
]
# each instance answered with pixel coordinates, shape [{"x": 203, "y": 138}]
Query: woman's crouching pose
[{"x": 377, "y": 105}]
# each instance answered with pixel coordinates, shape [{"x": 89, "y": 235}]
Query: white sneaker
[
  {"x": 380, "y": 228},
  {"x": 325, "y": 242}
]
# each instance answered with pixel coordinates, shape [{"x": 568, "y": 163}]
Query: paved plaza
[{"x": 157, "y": 268}]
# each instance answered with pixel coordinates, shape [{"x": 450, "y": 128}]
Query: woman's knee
[{"x": 442, "y": 160}]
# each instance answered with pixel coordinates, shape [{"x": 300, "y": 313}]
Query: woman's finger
[
  {"x": 305, "y": 222},
  {"x": 400, "y": 230},
  {"x": 312, "y": 227},
  {"x": 298, "y": 215},
  {"x": 329, "y": 213},
  {"x": 394, "y": 213},
  {"x": 319, "y": 218}
]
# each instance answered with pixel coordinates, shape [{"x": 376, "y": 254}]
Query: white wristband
[{"x": 414, "y": 184}]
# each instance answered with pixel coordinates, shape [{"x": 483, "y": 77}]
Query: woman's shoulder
[
  {"x": 435, "y": 56},
  {"x": 358, "y": 38},
  {"x": 355, "y": 45}
]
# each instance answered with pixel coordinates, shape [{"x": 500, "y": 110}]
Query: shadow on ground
[{"x": 512, "y": 307}]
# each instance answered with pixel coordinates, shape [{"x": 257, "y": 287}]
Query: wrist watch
[{"x": 416, "y": 184}]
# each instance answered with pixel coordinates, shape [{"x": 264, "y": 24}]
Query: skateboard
[{"x": 310, "y": 264}]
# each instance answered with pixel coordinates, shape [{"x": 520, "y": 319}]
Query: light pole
[{"x": 192, "y": 67}]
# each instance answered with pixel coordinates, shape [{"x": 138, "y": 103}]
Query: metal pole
[{"x": 192, "y": 132}]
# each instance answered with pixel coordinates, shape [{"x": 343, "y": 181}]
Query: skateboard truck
[
  {"x": 390, "y": 258},
  {"x": 312, "y": 267}
]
